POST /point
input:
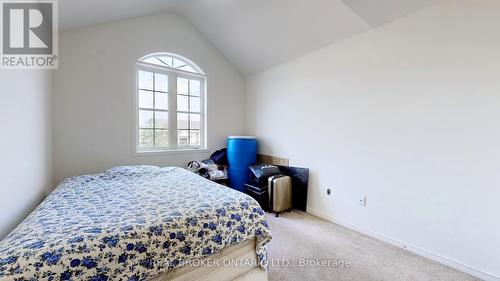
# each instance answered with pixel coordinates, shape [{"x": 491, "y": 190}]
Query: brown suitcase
[{"x": 280, "y": 193}]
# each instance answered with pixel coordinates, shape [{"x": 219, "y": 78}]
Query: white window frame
[{"x": 172, "y": 74}]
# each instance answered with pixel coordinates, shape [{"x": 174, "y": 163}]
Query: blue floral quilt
[{"x": 129, "y": 223}]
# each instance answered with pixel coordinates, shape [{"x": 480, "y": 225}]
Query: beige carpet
[{"x": 298, "y": 237}]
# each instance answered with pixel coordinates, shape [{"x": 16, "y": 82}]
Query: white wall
[
  {"x": 95, "y": 90},
  {"x": 408, "y": 115},
  {"x": 25, "y": 143}
]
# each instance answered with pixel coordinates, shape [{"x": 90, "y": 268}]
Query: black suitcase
[{"x": 260, "y": 194}]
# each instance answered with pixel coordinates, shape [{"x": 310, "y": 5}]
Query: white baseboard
[{"x": 411, "y": 248}]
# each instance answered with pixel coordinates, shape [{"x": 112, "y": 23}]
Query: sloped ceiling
[
  {"x": 80, "y": 13},
  {"x": 254, "y": 34},
  {"x": 379, "y": 12}
]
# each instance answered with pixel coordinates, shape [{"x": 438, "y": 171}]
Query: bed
[{"x": 137, "y": 223}]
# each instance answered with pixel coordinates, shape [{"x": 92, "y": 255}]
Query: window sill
[{"x": 171, "y": 151}]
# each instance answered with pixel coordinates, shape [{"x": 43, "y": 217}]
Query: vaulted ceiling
[{"x": 254, "y": 34}]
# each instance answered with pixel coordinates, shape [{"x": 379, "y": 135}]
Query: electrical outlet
[
  {"x": 328, "y": 191},
  {"x": 362, "y": 200}
]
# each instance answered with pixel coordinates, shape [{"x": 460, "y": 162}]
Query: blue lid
[{"x": 241, "y": 138}]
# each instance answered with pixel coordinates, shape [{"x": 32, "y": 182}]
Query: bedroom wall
[
  {"x": 25, "y": 143},
  {"x": 406, "y": 115},
  {"x": 95, "y": 90}
]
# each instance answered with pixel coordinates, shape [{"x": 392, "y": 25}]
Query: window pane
[
  {"x": 145, "y": 99},
  {"x": 166, "y": 60},
  {"x": 182, "y": 103},
  {"x": 194, "y": 104},
  {"x": 194, "y": 121},
  {"x": 188, "y": 68},
  {"x": 194, "y": 88},
  {"x": 161, "y": 82},
  {"x": 194, "y": 137},
  {"x": 182, "y": 86},
  {"x": 161, "y": 101},
  {"x": 153, "y": 60},
  {"x": 145, "y": 80},
  {"x": 145, "y": 138},
  {"x": 161, "y": 138},
  {"x": 182, "y": 137},
  {"x": 178, "y": 63},
  {"x": 182, "y": 121},
  {"x": 161, "y": 119},
  {"x": 145, "y": 119}
]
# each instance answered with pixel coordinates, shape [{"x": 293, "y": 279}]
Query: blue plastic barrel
[{"x": 241, "y": 153}]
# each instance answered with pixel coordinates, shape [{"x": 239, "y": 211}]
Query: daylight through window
[{"x": 170, "y": 104}]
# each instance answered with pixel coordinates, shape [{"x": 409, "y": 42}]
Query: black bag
[
  {"x": 220, "y": 156},
  {"x": 260, "y": 173}
]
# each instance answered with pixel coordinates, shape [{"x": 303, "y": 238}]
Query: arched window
[{"x": 171, "y": 104}]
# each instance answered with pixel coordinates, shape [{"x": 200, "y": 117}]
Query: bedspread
[{"x": 129, "y": 223}]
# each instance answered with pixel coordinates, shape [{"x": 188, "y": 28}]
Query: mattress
[
  {"x": 130, "y": 223},
  {"x": 237, "y": 262}
]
